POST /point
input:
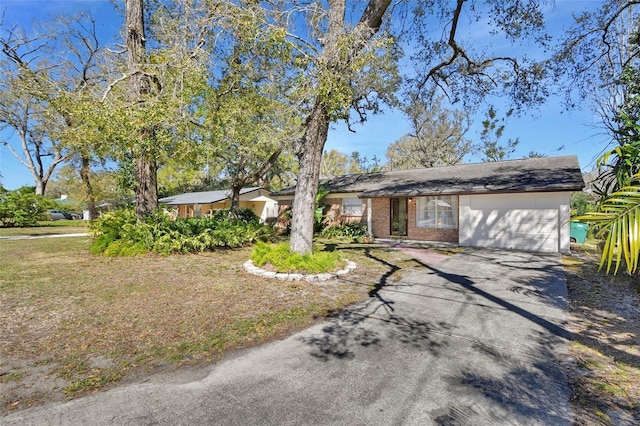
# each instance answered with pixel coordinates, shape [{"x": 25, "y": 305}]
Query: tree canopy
[
  {"x": 249, "y": 82},
  {"x": 437, "y": 137}
]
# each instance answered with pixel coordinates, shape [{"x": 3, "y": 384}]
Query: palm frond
[{"x": 618, "y": 222}]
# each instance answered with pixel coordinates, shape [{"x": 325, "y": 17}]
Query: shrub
[
  {"x": 21, "y": 207},
  {"x": 283, "y": 259},
  {"x": 119, "y": 233},
  {"x": 347, "y": 230}
]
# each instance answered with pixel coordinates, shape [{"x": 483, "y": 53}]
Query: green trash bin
[{"x": 578, "y": 232}]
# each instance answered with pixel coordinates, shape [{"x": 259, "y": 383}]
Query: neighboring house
[
  {"x": 196, "y": 204},
  {"x": 517, "y": 204}
]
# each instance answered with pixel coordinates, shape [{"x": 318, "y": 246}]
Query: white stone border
[{"x": 254, "y": 270}]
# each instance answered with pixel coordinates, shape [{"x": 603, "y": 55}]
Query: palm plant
[{"x": 618, "y": 222}]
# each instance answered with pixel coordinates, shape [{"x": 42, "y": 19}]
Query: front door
[{"x": 398, "y": 216}]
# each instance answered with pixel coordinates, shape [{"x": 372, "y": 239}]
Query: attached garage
[{"x": 531, "y": 222}]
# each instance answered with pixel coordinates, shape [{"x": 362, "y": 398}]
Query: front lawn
[
  {"x": 72, "y": 322},
  {"x": 47, "y": 228}
]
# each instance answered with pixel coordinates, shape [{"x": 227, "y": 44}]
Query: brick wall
[
  {"x": 380, "y": 220},
  {"x": 381, "y": 211}
]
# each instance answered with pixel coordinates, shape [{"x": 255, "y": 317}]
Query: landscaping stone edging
[{"x": 254, "y": 270}]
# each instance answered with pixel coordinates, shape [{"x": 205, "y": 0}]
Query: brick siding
[
  {"x": 381, "y": 210},
  {"x": 380, "y": 220}
]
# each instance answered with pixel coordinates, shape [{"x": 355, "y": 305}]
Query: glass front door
[{"x": 398, "y": 216}]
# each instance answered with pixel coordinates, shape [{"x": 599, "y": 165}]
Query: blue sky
[{"x": 549, "y": 130}]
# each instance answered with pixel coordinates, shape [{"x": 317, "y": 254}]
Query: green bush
[
  {"x": 283, "y": 259},
  {"x": 119, "y": 233},
  {"x": 347, "y": 230},
  {"x": 22, "y": 207}
]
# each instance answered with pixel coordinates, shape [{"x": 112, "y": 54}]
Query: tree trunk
[
  {"x": 146, "y": 186},
  {"x": 301, "y": 239},
  {"x": 234, "y": 208},
  {"x": 85, "y": 172},
  {"x": 317, "y": 124},
  {"x": 41, "y": 185},
  {"x": 146, "y": 167}
]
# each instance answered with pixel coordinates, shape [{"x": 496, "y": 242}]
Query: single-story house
[
  {"x": 196, "y": 204},
  {"x": 515, "y": 204}
]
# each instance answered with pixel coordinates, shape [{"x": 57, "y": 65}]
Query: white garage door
[{"x": 531, "y": 222}]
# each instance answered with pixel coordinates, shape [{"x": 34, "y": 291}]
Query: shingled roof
[
  {"x": 204, "y": 197},
  {"x": 544, "y": 174}
]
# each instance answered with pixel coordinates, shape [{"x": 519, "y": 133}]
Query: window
[
  {"x": 440, "y": 212},
  {"x": 352, "y": 206}
]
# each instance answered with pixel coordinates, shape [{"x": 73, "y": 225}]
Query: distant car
[
  {"x": 71, "y": 216},
  {"x": 56, "y": 214}
]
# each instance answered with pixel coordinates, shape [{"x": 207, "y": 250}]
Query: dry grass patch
[
  {"x": 72, "y": 323},
  {"x": 605, "y": 317}
]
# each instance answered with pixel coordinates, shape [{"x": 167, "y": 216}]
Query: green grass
[
  {"x": 11, "y": 376},
  {"x": 282, "y": 259}
]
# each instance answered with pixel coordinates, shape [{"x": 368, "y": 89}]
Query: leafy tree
[
  {"x": 581, "y": 203},
  {"x": 618, "y": 214},
  {"x": 141, "y": 115},
  {"x": 492, "y": 130},
  {"x": 343, "y": 48},
  {"x": 593, "y": 55},
  {"x": 535, "y": 154},
  {"x": 66, "y": 182},
  {"x": 175, "y": 178},
  {"x": 437, "y": 137},
  {"x": 345, "y": 70},
  {"x": 248, "y": 119},
  {"x": 25, "y": 94},
  {"x": 140, "y": 86},
  {"x": 80, "y": 73},
  {"x": 334, "y": 163},
  {"x": 618, "y": 165},
  {"x": 356, "y": 163},
  {"x": 22, "y": 207},
  {"x": 54, "y": 68}
]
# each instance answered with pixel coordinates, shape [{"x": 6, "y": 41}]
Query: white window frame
[
  {"x": 433, "y": 215},
  {"x": 351, "y": 206}
]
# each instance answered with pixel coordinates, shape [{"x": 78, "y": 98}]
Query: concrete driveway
[{"x": 474, "y": 339}]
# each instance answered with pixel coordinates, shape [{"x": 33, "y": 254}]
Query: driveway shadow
[
  {"x": 527, "y": 389},
  {"x": 487, "y": 381},
  {"x": 350, "y": 329}
]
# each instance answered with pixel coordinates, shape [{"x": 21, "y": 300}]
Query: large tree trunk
[
  {"x": 145, "y": 163},
  {"x": 146, "y": 186},
  {"x": 301, "y": 239},
  {"x": 317, "y": 124}
]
